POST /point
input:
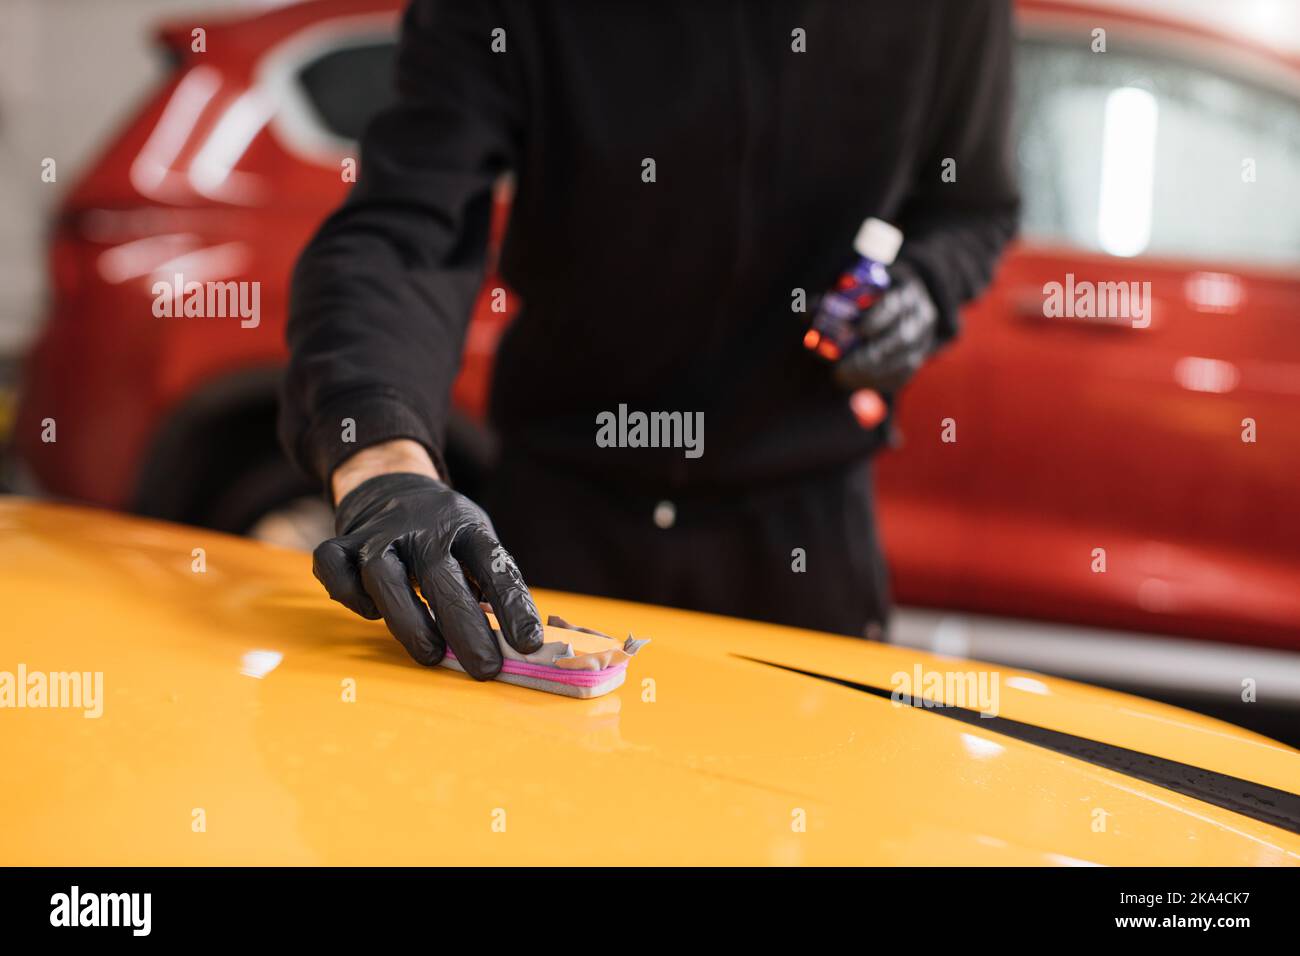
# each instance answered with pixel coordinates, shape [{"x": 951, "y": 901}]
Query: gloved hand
[
  {"x": 395, "y": 529},
  {"x": 897, "y": 333}
]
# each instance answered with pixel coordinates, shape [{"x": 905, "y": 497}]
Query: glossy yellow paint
[{"x": 702, "y": 756}]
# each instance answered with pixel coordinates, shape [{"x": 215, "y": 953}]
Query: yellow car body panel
[{"x": 228, "y": 736}]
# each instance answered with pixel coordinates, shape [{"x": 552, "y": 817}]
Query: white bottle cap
[{"x": 878, "y": 240}]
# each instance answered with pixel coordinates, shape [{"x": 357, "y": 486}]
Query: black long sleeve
[
  {"x": 955, "y": 230},
  {"x": 672, "y": 294},
  {"x": 382, "y": 296}
]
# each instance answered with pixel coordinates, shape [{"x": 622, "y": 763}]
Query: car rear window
[
  {"x": 1135, "y": 153},
  {"x": 348, "y": 86}
]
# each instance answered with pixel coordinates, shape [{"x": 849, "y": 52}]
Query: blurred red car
[
  {"x": 1081, "y": 469},
  {"x": 223, "y": 175}
]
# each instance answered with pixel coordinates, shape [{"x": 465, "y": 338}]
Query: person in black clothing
[{"x": 682, "y": 168}]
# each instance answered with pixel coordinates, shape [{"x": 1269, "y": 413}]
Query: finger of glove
[
  {"x": 883, "y": 365},
  {"x": 460, "y": 619},
  {"x": 334, "y": 565},
  {"x": 497, "y": 575},
  {"x": 869, "y": 360},
  {"x": 886, "y": 311},
  {"x": 894, "y": 377},
  {"x": 386, "y": 581},
  {"x": 912, "y": 331},
  {"x": 912, "y": 337}
]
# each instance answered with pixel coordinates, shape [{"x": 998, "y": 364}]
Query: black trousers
[{"x": 804, "y": 553}]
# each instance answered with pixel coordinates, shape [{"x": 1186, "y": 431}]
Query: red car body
[{"x": 1098, "y": 473}]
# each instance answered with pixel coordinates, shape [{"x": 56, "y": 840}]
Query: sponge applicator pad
[{"x": 572, "y": 661}]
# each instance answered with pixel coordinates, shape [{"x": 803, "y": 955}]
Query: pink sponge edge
[{"x": 555, "y": 680}]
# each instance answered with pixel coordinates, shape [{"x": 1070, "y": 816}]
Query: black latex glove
[
  {"x": 897, "y": 334},
  {"x": 397, "y": 529}
]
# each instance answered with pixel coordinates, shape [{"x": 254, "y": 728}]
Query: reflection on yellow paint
[{"x": 346, "y": 752}]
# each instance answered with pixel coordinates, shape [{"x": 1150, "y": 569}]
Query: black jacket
[{"x": 672, "y": 295}]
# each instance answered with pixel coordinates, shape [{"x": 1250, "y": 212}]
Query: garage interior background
[{"x": 72, "y": 70}]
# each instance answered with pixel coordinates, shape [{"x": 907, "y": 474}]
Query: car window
[
  {"x": 348, "y": 85},
  {"x": 1134, "y": 154}
]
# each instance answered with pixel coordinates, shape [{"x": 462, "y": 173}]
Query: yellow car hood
[{"x": 247, "y": 719}]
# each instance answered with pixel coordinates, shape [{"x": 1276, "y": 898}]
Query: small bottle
[{"x": 833, "y": 333}]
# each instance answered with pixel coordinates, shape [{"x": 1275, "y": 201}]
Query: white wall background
[{"x": 70, "y": 71}]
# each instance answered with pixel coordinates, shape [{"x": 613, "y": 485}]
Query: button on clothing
[
  {"x": 665, "y": 514},
  {"x": 731, "y": 554}
]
